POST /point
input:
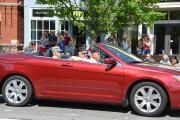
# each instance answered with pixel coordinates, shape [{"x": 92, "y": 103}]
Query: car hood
[{"x": 161, "y": 67}]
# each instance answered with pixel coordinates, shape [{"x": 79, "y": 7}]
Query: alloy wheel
[
  {"x": 147, "y": 99},
  {"x": 16, "y": 91}
]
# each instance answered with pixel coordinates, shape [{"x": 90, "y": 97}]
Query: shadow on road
[
  {"x": 78, "y": 105},
  {"x": 174, "y": 113},
  {"x": 97, "y": 107},
  {"x": 1, "y": 100},
  {"x": 90, "y": 106}
]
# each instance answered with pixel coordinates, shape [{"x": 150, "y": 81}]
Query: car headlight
[{"x": 177, "y": 77}]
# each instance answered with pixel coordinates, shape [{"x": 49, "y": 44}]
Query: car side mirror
[{"x": 111, "y": 62}]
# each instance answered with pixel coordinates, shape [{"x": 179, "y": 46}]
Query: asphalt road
[{"x": 58, "y": 110}]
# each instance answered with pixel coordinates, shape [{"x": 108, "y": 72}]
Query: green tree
[{"x": 105, "y": 15}]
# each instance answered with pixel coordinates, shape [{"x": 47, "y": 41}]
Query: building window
[
  {"x": 174, "y": 15},
  {"x": 166, "y": 15},
  {"x": 39, "y": 26},
  {"x": 65, "y": 26}
]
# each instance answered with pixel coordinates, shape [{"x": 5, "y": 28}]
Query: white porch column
[
  {"x": 57, "y": 25},
  {"x": 150, "y": 32},
  {"x": 139, "y": 31},
  {"x": 88, "y": 39}
]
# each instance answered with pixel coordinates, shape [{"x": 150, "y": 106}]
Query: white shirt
[
  {"x": 91, "y": 60},
  {"x": 125, "y": 45},
  {"x": 55, "y": 57}
]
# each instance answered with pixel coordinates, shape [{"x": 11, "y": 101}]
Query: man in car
[{"x": 94, "y": 57}]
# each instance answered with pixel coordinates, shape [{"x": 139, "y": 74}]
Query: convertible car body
[{"x": 121, "y": 79}]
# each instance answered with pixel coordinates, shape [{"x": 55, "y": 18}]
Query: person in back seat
[
  {"x": 165, "y": 60},
  {"x": 56, "y": 52},
  {"x": 149, "y": 59}
]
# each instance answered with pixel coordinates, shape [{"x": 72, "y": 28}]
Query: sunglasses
[{"x": 97, "y": 53}]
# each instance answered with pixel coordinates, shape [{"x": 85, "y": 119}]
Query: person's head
[
  {"x": 45, "y": 34},
  {"x": 56, "y": 52},
  {"x": 165, "y": 58},
  {"x": 32, "y": 44},
  {"x": 148, "y": 56},
  {"x": 126, "y": 36},
  {"x": 60, "y": 37},
  {"x": 65, "y": 33},
  {"x": 95, "y": 53},
  {"x": 146, "y": 38},
  {"x": 173, "y": 61},
  {"x": 113, "y": 35},
  {"x": 29, "y": 45},
  {"x": 52, "y": 33},
  {"x": 83, "y": 54}
]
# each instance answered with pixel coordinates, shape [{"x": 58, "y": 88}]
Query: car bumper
[{"x": 174, "y": 95}]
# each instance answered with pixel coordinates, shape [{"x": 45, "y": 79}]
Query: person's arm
[
  {"x": 161, "y": 61},
  {"x": 169, "y": 63},
  {"x": 75, "y": 58}
]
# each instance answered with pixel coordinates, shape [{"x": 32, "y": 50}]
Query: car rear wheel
[
  {"x": 17, "y": 91},
  {"x": 148, "y": 99}
]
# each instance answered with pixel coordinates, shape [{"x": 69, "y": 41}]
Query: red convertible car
[{"x": 121, "y": 78}]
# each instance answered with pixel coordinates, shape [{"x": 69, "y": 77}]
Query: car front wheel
[
  {"x": 17, "y": 91},
  {"x": 148, "y": 99}
]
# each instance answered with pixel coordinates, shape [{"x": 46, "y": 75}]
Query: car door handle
[{"x": 66, "y": 65}]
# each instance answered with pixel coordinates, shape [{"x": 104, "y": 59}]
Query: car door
[
  {"x": 44, "y": 71},
  {"x": 81, "y": 80}
]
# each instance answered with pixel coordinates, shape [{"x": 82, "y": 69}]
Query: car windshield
[{"x": 125, "y": 56}]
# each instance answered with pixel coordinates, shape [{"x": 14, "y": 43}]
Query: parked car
[{"x": 121, "y": 78}]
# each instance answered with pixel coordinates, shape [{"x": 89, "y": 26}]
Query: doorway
[{"x": 167, "y": 38}]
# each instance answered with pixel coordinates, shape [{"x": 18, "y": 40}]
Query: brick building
[{"x": 11, "y": 22}]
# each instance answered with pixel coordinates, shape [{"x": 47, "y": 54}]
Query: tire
[
  {"x": 148, "y": 99},
  {"x": 17, "y": 91}
]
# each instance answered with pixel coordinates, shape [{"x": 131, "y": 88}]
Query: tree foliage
[{"x": 105, "y": 15}]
